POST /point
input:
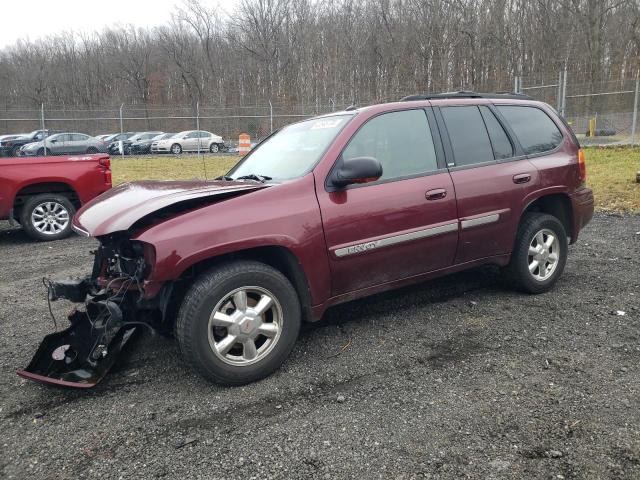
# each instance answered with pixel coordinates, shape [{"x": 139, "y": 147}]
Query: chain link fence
[{"x": 603, "y": 113}]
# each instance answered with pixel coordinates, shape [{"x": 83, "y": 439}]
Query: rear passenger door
[
  {"x": 491, "y": 177},
  {"x": 405, "y": 223}
]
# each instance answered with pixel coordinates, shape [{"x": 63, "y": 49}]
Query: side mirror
[{"x": 357, "y": 170}]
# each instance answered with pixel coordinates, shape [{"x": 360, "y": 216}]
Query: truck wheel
[
  {"x": 539, "y": 254},
  {"x": 176, "y": 149},
  {"x": 238, "y": 322},
  {"x": 47, "y": 216}
]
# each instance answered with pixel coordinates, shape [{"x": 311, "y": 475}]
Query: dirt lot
[{"x": 458, "y": 377}]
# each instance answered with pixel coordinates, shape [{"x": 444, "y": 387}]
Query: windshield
[{"x": 292, "y": 151}]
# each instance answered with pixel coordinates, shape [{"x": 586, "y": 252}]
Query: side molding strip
[
  {"x": 474, "y": 222},
  {"x": 393, "y": 240}
]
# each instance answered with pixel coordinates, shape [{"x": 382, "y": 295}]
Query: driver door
[{"x": 402, "y": 225}]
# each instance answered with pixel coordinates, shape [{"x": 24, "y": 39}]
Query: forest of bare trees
[{"x": 305, "y": 52}]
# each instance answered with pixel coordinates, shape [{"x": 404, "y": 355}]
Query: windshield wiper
[{"x": 253, "y": 176}]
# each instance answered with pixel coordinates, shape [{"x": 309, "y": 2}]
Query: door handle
[
  {"x": 435, "y": 194},
  {"x": 522, "y": 178}
]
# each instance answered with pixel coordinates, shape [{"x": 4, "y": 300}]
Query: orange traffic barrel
[{"x": 244, "y": 143}]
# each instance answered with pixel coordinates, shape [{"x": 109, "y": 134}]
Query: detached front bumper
[{"x": 81, "y": 355}]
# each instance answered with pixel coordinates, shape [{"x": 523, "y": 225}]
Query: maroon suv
[{"x": 322, "y": 212}]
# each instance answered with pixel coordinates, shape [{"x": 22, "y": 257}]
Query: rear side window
[
  {"x": 500, "y": 142},
  {"x": 536, "y": 132},
  {"x": 401, "y": 141},
  {"x": 468, "y": 135}
]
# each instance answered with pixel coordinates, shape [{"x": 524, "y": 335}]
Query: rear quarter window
[{"x": 536, "y": 132}]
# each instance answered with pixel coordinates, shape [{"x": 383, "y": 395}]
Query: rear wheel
[
  {"x": 540, "y": 253},
  {"x": 238, "y": 322},
  {"x": 92, "y": 150},
  {"x": 47, "y": 217},
  {"x": 176, "y": 149}
]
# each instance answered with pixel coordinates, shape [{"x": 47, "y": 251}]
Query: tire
[
  {"x": 214, "y": 148},
  {"x": 16, "y": 151},
  {"x": 40, "y": 152},
  {"x": 176, "y": 149},
  {"x": 525, "y": 269},
  {"x": 214, "y": 291},
  {"x": 92, "y": 150},
  {"x": 48, "y": 203}
]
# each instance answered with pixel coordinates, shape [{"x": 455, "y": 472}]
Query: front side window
[
  {"x": 536, "y": 132},
  {"x": 400, "y": 141},
  {"x": 468, "y": 135},
  {"x": 293, "y": 151}
]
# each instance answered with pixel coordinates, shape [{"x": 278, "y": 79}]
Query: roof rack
[{"x": 467, "y": 94}]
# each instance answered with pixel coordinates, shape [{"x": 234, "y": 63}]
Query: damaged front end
[{"x": 113, "y": 309}]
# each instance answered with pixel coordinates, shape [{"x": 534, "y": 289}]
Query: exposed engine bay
[{"x": 112, "y": 311}]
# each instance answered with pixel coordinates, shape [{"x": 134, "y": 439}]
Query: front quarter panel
[{"x": 285, "y": 215}]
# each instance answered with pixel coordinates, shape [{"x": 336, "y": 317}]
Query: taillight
[
  {"x": 105, "y": 162},
  {"x": 582, "y": 165}
]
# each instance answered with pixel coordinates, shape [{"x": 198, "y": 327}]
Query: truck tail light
[
  {"x": 107, "y": 177},
  {"x": 105, "y": 162},
  {"x": 582, "y": 165}
]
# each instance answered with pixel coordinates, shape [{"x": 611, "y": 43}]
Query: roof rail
[{"x": 467, "y": 94}]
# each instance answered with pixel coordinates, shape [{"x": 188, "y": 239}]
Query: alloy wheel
[
  {"x": 544, "y": 253},
  {"x": 50, "y": 218},
  {"x": 245, "y": 326}
]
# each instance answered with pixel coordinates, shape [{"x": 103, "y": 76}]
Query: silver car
[
  {"x": 189, "y": 141},
  {"x": 65, "y": 143}
]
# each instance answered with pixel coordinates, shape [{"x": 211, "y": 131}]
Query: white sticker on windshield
[{"x": 326, "y": 123}]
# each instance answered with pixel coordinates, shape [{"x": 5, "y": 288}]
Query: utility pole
[
  {"x": 564, "y": 93},
  {"x": 121, "y": 142},
  {"x": 44, "y": 134},
  {"x": 635, "y": 110}
]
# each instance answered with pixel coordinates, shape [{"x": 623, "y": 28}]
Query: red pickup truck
[
  {"x": 43, "y": 193},
  {"x": 323, "y": 211}
]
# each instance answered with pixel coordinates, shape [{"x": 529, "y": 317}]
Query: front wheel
[
  {"x": 539, "y": 254},
  {"x": 47, "y": 217},
  {"x": 176, "y": 149},
  {"x": 214, "y": 148},
  {"x": 238, "y": 322}
]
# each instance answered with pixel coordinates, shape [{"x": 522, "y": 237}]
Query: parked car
[
  {"x": 42, "y": 194},
  {"x": 64, "y": 143},
  {"x": 113, "y": 140},
  {"x": 11, "y": 147},
  {"x": 144, "y": 146},
  {"x": 324, "y": 211},
  {"x": 114, "y": 147},
  {"x": 189, "y": 141}
]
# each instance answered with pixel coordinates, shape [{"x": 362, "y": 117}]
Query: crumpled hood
[{"x": 119, "y": 208}]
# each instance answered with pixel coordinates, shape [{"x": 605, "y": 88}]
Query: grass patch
[
  {"x": 611, "y": 173},
  {"x": 169, "y": 167}
]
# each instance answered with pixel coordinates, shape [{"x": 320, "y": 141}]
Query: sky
[{"x": 31, "y": 19}]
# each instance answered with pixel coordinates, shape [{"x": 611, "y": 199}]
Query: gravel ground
[{"x": 458, "y": 377}]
